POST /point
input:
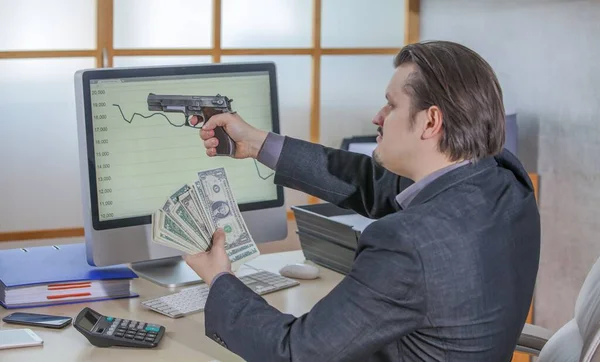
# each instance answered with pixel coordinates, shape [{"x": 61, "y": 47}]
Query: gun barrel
[{"x": 160, "y": 102}]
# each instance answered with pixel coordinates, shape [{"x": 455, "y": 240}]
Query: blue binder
[{"x": 47, "y": 265}]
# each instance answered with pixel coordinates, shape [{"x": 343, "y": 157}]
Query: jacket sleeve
[
  {"x": 343, "y": 178},
  {"x": 378, "y": 302}
]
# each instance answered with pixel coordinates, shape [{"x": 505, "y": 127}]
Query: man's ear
[{"x": 433, "y": 122}]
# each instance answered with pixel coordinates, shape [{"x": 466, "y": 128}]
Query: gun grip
[{"x": 226, "y": 146}]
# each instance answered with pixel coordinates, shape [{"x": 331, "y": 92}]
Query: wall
[{"x": 546, "y": 54}]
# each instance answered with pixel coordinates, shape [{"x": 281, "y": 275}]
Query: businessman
[{"x": 445, "y": 273}]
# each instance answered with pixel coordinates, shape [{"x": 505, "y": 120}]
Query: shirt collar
[{"x": 405, "y": 197}]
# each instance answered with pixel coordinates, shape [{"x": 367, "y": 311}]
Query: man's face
[{"x": 397, "y": 142}]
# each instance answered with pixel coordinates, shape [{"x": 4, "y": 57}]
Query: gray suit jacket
[{"x": 449, "y": 278}]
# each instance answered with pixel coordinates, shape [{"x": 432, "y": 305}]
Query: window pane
[
  {"x": 359, "y": 23},
  {"x": 267, "y": 24},
  {"x": 163, "y": 24},
  {"x": 352, "y": 92},
  {"x": 293, "y": 85},
  {"x": 141, "y": 61},
  {"x": 43, "y": 165},
  {"x": 45, "y": 25}
]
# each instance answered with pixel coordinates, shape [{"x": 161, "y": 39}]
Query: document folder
[{"x": 60, "y": 274}]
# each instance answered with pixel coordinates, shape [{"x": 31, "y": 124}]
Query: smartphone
[
  {"x": 18, "y": 338},
  {"x": 39, "y": 320}
]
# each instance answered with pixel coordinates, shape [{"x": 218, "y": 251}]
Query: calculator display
[{"x": 88, "y": 321}]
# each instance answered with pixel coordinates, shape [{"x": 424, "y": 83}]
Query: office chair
[{"x": 579, "y": 339}]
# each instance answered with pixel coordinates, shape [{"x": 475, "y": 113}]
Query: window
[{"x": 334, "y": 59}]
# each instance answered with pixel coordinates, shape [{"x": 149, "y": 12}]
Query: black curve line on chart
[
  {"x": 141, "y": 115},
  {"x": 264, "y": 178}
]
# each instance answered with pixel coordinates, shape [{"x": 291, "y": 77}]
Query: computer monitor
[
  {"x": 132, "y": 159},
  {"x": 360, "y": 144}
]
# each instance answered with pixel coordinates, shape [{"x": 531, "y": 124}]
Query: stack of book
[{"x": 60, "y": 274}]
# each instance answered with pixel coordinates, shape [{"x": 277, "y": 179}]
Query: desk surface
[{"x": 184, "y": 339}]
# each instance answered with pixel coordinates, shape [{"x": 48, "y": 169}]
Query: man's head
[{"x": 444, "y": 105}]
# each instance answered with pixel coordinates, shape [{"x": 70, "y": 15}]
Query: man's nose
[{"x": 378, "y": 119}]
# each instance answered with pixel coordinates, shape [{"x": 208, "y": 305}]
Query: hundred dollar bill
[
  {"x": 183, "y": 207},
  {"x": 192, "y": 203},
  {"x": 218, "y": 198},
  {"x": 184, "y": 221},
  {"x": 169, "y": 224},
  {"x": 166, "y": 232},
  {"x": 200, "y": 195}
]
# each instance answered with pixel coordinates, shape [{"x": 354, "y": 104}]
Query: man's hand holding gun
[{"x": 197, "y": 111}]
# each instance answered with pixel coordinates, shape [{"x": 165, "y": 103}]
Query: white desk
[{"x": 184, "y": 339}]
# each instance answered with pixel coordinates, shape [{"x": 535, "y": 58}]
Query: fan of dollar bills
[{"x": 190, "y": 216}]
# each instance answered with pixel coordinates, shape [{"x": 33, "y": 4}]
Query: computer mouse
[{"x": 299, "y": 271}]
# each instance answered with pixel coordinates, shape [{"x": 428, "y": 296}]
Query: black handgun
[{"x": 203, "y": 107}]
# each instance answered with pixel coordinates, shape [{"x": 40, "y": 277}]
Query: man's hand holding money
[
  {"x": 202, "y": 218},
  {"x": 211, "y": 263}
]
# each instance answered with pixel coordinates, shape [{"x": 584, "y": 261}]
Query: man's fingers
[
  {"x": 219, "y": 239},
  {"x": 219, "y": 119},
  {"x": 194, "y": 120},
  {"x": 206, "y": 134},
  {"x": 211, "y": 143}
]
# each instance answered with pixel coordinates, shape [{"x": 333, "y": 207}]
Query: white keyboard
[{"x": 192, "y": 300}]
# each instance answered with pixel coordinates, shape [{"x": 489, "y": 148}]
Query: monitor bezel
[{"x": 180, "y": 70}]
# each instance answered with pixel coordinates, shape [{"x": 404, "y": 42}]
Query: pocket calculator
[{"x": 105, "y": 331}]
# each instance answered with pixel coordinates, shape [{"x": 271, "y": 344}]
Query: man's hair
[{"x": 465, "y": 88}]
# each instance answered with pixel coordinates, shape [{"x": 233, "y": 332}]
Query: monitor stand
[{"x": 169, "y": 272}]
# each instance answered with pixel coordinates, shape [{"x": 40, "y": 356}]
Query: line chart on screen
[{"x": 142, "y": 156}]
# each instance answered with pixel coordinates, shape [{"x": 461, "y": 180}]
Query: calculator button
[
  {"x": 148, "y": 339},
  {"x": 129, "y": 336},
  {"x": 121, "y": 330},
  {"x": 139, "y": 338},
  {"x": 152, "y": 329},
  {"x": 110, "y": 319},
  {"x": 119, "y": 334}
]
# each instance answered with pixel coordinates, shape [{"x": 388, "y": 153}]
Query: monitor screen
[
  {"x": 141, "y": 157},
  {"x": 360, "y": 144},
  {"x": 364, "y": 148}
]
